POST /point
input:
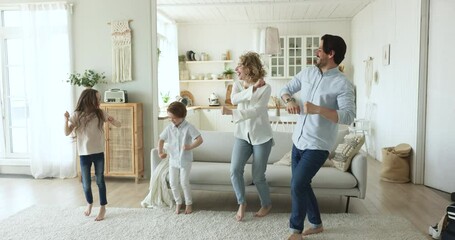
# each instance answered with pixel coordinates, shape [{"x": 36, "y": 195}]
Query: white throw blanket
[{"x": 159, "y": 195}]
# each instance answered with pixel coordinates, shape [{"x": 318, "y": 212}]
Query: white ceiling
[{"x": 259, "y": 11}]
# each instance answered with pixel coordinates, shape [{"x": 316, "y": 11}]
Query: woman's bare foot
[
  {"x": 188, "y": 209},
  {"x": 263, "y": 211},
  {"x": 101, "y": 213},
  {"x": 310, "y": 231},
  {"x": 241, "y": 212},
  {"x": 88, "y": 210},
  {"x": 177, "y": 208},
  {"x": 295, "y": 236}
]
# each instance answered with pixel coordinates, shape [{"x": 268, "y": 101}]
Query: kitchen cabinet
[
  {"x": 124, "y": 145},
  {"x": 297, "y": 52}
]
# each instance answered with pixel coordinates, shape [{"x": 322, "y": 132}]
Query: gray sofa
[{"x": 210, "y": 169}]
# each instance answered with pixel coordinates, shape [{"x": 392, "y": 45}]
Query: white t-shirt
[
  {"x": 90, "y": 139},
  {"x": 176, "y": 138}
]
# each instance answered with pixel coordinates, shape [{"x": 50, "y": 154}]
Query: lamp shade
[{"x": 269, "y": 41}]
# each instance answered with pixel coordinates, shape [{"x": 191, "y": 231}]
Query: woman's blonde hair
[{"x": 252, "y": 61}]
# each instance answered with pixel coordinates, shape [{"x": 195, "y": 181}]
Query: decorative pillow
[
  {"x": 286, "y": 160},
  {"x": 347, "y": 150}
]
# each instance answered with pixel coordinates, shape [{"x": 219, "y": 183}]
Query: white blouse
[{"x": 251, "y": 116}]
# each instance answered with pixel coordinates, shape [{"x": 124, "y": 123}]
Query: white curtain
[
  {"x": 168, "y": 68},
  {"x": 47, "y": 64}
]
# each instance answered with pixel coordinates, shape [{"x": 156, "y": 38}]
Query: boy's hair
[
  {"x": 335, "y": 43},
  {"x": 178, "y": 109},
  {"x": 252, "y": 61},
  {"x": 87, "y": 108}
]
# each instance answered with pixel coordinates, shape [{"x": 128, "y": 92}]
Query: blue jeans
[
  {"x": 305, "y": 164},
  {"x": 240, "y": 154},
  {"x": 86, "y": 163}
]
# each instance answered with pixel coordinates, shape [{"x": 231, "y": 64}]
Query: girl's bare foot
[
  {"x": 241, "y": 212},
  {"x": 263, "y": 211},
  {"x": 188, "y": 209},
  {"x": 310, "y": 231},
  {"x": 177, "y": 208},
  {"x": 295, "y": 236},
  {"x": 88, "y": 210},
  {"x": 101, "y": 213}
]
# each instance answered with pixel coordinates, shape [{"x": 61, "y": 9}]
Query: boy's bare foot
[
  {"x": 263, "y": 211},
  {"x": 188, "y": 209},
  {"x": 310, "y": 231},
  {"x": 101, "y": 213},
  {"x": 241, "y": 212},
  {"x": 177, "y": 208},
  {"x": 88, "y": 210},
  {"x": 295, "y": 236}
]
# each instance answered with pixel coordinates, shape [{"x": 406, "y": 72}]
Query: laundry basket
[{"x": 395, "y": 163}]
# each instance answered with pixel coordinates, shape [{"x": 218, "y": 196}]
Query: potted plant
[
  {"x": 165, "y": 97},
  {"x": 89, "y": 79},
  {"x": 228, "y": 73}
]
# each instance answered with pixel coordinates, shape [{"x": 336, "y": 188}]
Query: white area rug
[{"x": 39, "y": 222}]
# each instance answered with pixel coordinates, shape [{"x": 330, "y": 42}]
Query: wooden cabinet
[
  {"x": 124, "y": 154},
  {"x": 297, "y": 52}
]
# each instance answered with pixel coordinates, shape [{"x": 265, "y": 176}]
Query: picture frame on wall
[{"x": 386, "y": 55}]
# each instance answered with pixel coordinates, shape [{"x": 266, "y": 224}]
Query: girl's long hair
[{"x": 88, "y": 108}]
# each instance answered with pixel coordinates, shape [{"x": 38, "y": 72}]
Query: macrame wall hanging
[{"x": 121, "y": 51}]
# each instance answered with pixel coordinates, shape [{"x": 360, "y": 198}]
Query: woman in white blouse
[{"x": 253, "y": 132}]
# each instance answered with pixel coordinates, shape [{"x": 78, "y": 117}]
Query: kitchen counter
[{"x": 163, "y": 115}]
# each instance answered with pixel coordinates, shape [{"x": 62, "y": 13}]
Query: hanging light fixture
[{"x": 269, "y": 41}]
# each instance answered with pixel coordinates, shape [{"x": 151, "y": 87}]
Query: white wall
[
  {"x": 215, "y": 39},
  {"x": 92, "y": 49},
  {"x": 440, "y": 134},
  {"x": 395, "y": 91}
]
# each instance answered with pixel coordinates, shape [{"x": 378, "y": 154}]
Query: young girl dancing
[{"x": 87, "y": 122}]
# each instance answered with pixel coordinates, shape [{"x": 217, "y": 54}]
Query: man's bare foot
[
  {"x": 101, "y": 213},
  {"x": 241, "y": 212},
  {"x": 310, "y": 231},
  {"x": 188, "y": 209},
  {"x": 88, "y": 210},
  {"x": 295, "y": 236},
  {"x": 177, "y": 208},
  {"x": 263, "y": 211}
]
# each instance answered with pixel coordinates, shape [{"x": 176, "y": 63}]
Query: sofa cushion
[
  {"x": 280, "y": 176},
  {"x": 216, "y": 173},
  {"x": 283, "y": 144},
  {"x": 347, "y": 150},
  {"x": 217, "y": 147}
]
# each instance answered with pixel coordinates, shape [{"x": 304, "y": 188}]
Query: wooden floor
[{"x": 423, "y": 206}]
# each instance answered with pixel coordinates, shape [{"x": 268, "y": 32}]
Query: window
[{"x": 14, "y": 143}]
